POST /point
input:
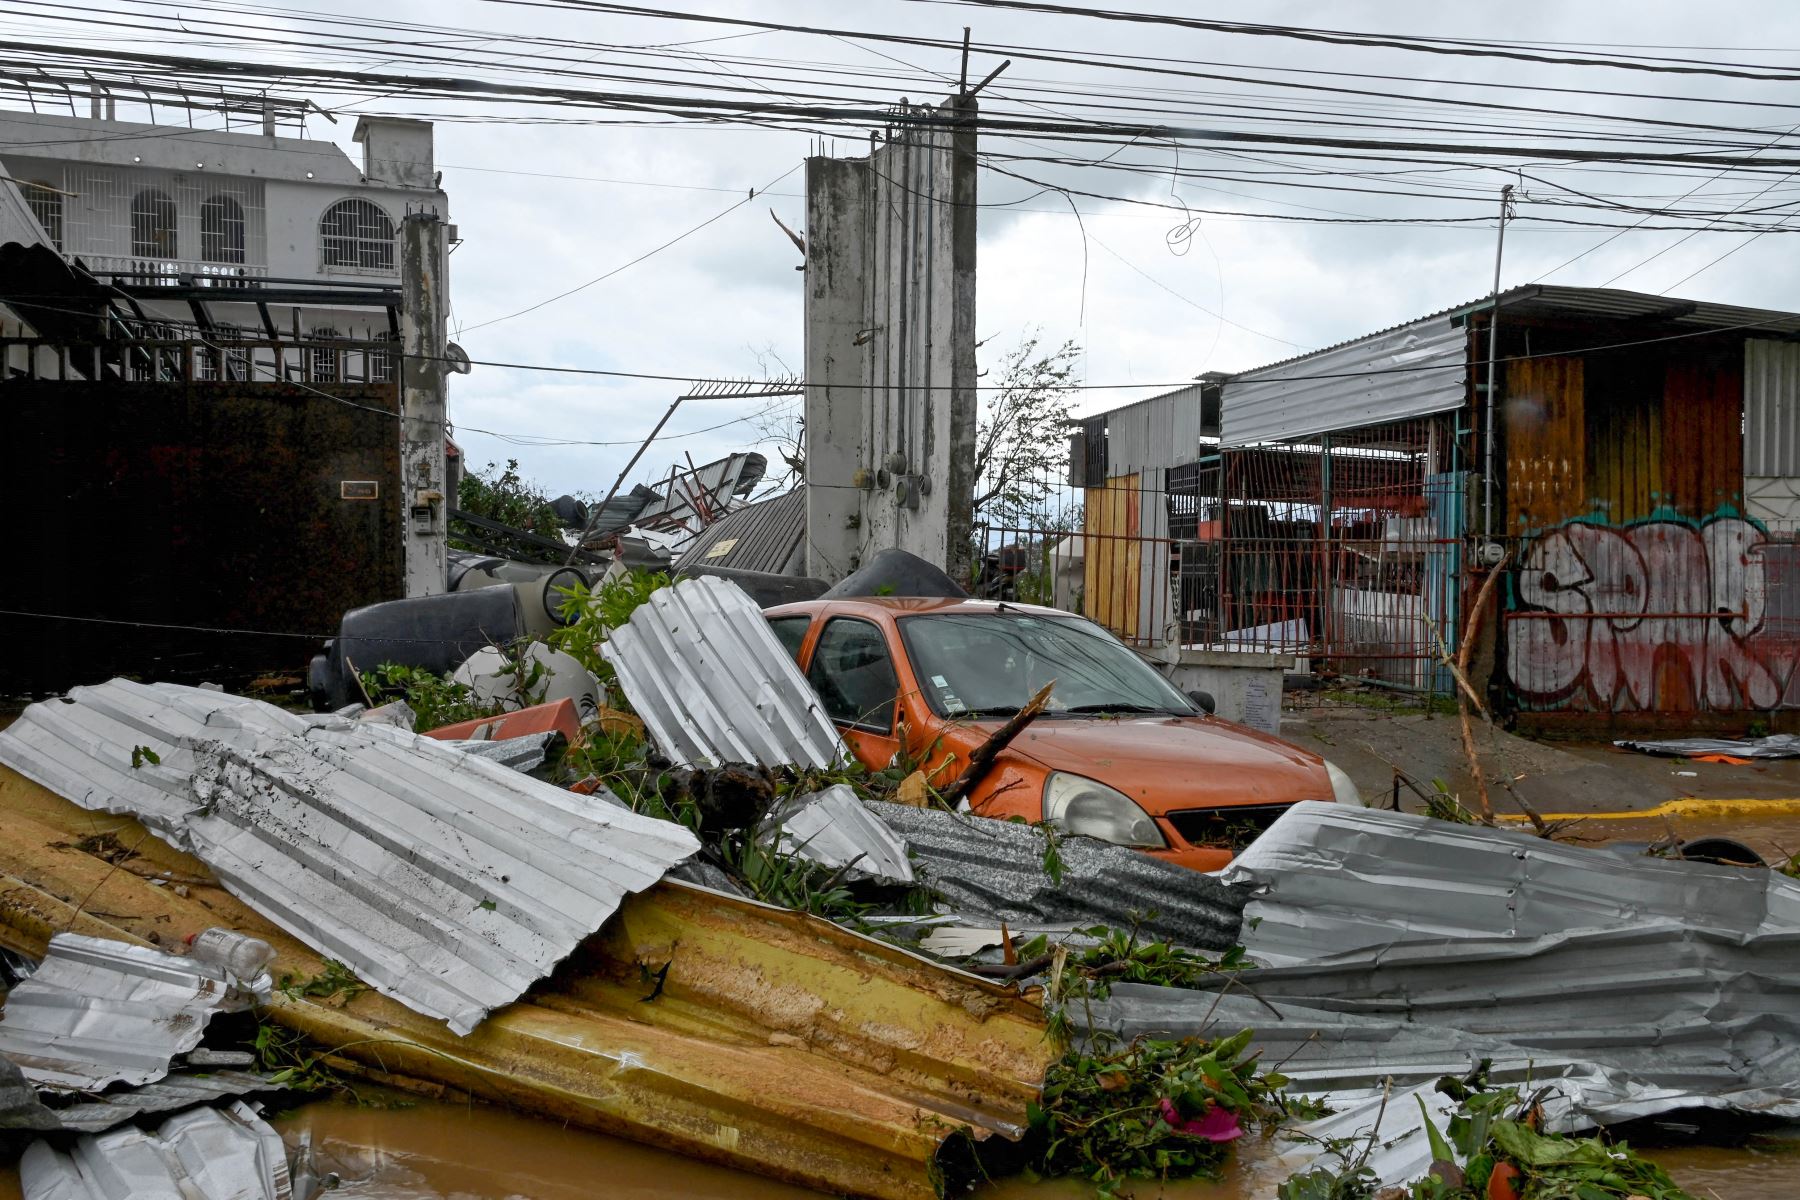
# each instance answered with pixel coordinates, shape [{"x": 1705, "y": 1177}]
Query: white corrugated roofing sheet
[
  {"x": 1331, "y": 879},
  {"x": 206, "y": 1154},
  {"x": 98, "y": 1012},
  {"x": 704, "y": 671},
  {"x": 1406, "y": 949},
  {"x": 441, "y": 879},
  {"x": 1411, "y": 371}
]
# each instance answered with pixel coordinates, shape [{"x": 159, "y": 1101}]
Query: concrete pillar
[
  {"x": 425, "y": 500},
  {"x": 890, "y": 347},
  {"x": 837, "y": 258}
]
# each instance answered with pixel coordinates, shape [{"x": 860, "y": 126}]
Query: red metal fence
[{"x": 1343, "y": 551}]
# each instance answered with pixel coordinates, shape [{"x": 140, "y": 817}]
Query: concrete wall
[{"x": 890, "y": 347}]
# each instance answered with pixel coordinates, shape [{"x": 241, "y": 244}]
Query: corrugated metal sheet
[
  {"x": 1314, "y": 873},
  {"x": 769, "y": 535},
  {"x": 1771, "y": 408},
  {"x": 780, "y": 1043},
  {"x": 1161, "y": 432},
  {"x": 1411, "y": 371},
  {"x": 208, "y": 1154},
  {"x": 1259, "y": 406},
  {"x": 994, "y": 870},
  {"x": 177, "y": 1090},
  {"x": 98, "y": 1012},
  {"x": 704, "y": 671},
  {"x": 1406, "y": 949},
  {"x": 442, "y": 879},
  {"x": 833, "y": 828},
  {"x": 709, "y": 487}
]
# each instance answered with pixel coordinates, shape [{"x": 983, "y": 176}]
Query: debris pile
[{"x": 635, "y": 904}]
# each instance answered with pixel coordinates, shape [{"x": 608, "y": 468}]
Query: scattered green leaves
[
  {"x": 1493, "y": 1148},
  {"x": 334, "y": 981},
  {"x": 1154, "y": 1109},
  {"x": 594, "y": 613},
  {"x": 435, "y": 700},
  {"x": 144, "y": 754}
]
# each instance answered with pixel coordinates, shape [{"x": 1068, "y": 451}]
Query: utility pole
[
  {"x": 424, "y": 368},
  {"x": 1487, "y": 471}
]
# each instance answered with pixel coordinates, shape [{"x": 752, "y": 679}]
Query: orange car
[{"x": 1119, "y": 754}]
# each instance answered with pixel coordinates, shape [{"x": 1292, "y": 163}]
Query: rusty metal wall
[
  {"x": 1642, "y": 591},
  {"x": 221, "y": 509}
]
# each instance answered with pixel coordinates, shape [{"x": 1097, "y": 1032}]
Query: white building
[
  {"x": 143, "y": 202},
  {"x": 226, "y": 246}
]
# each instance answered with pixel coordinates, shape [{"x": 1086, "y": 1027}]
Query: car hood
[{"x": 1168, "y": 763}]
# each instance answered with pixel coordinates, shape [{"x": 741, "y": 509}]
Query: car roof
[{"x": 897, "y": 606}]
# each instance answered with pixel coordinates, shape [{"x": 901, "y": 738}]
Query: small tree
[{"x": 1022, "y": 438}]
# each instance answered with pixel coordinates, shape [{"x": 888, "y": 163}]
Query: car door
[{"x": 852, "y": 669}]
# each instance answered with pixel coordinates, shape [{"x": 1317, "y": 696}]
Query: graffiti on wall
[{"x": 1661, "y": 615}]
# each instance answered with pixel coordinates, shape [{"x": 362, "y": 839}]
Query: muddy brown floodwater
[{"x": 432, "y": 1151}]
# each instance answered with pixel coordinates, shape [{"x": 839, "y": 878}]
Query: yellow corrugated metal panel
[{"x": 780, "y": 1043}]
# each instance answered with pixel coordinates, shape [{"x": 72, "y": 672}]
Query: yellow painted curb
[{"x": 1688, "y": 806}]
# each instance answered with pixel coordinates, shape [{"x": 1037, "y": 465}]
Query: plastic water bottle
[{"x": 239, "y": 954}]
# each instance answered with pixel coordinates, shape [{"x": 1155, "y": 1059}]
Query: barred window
[
  {"x": 221, "y": 230},
  {"x": 152, "y": 224},
  {"x": 46, "y": 205},
  {"x": 356, "y": 233},
  {"x": 323, "y": 363}
]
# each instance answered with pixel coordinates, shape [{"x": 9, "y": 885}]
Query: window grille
[
  {"x": 381, "y": 362},
  {"x": 222, "y": 230},
  {"x": 46, "y": 204},
  {"x": 322, "y": 361},
  {"x": 357, "y": 234},
  {"x": 153, "y": 223}
]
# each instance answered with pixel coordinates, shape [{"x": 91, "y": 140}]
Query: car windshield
[{"x": 991, "y": 664}]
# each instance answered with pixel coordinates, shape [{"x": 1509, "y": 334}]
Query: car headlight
[
  {"x": 1343, "y": 788},
  {"x": 1089, "y": 808}
]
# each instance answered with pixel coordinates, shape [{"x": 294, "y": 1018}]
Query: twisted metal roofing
[
  {"x": 98, "y": 1012},
  {"x": 444, "y": 880},
  {"x": 712, "y": 684}
]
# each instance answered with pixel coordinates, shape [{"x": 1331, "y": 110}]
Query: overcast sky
[{"x": 545, "y": 209}]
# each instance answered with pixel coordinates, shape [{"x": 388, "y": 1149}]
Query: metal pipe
[
  {"x": 588, "y": 528},
  {"x": 1487, "y": 474}
]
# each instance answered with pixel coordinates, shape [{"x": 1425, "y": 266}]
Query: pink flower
[{"x": 1218, "y": 1125}]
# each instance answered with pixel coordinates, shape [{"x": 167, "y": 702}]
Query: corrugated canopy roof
[{"x": 1417, "y": 367}]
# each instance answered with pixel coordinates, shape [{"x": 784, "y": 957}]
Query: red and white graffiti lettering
[{"x": 1659, "y": 616}]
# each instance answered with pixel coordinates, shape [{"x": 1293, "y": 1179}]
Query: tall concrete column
[
  {"x": 890, "y": 346},
  {"x": 425, "y": 502},
  {"x": 837, "y": 257}
]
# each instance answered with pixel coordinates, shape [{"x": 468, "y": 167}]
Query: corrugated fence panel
[
  {"x": 1771, "y": 408},
  {"x": 1163, "y": 431},
  {"x": 1545, "y": 428},
  {"x": 1702, "y": 414},
  {"x": 1411, "y": 371}
]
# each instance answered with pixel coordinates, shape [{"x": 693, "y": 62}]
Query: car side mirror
[{"x": 1204, "y": 700}]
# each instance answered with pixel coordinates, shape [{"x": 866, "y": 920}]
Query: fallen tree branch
[
  {"x": 1465, "y": 693},
  {"x": 981, "y": 759}
]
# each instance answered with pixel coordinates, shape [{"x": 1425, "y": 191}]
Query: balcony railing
[{"x": 141, "y": 270}]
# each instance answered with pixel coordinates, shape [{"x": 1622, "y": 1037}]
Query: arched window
[
  {"x": 356, "y": 233},
  {"x": 152, "y": 224},
  {"x": 221, "y": 230},
  {"x": 46, "y": 205}
]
